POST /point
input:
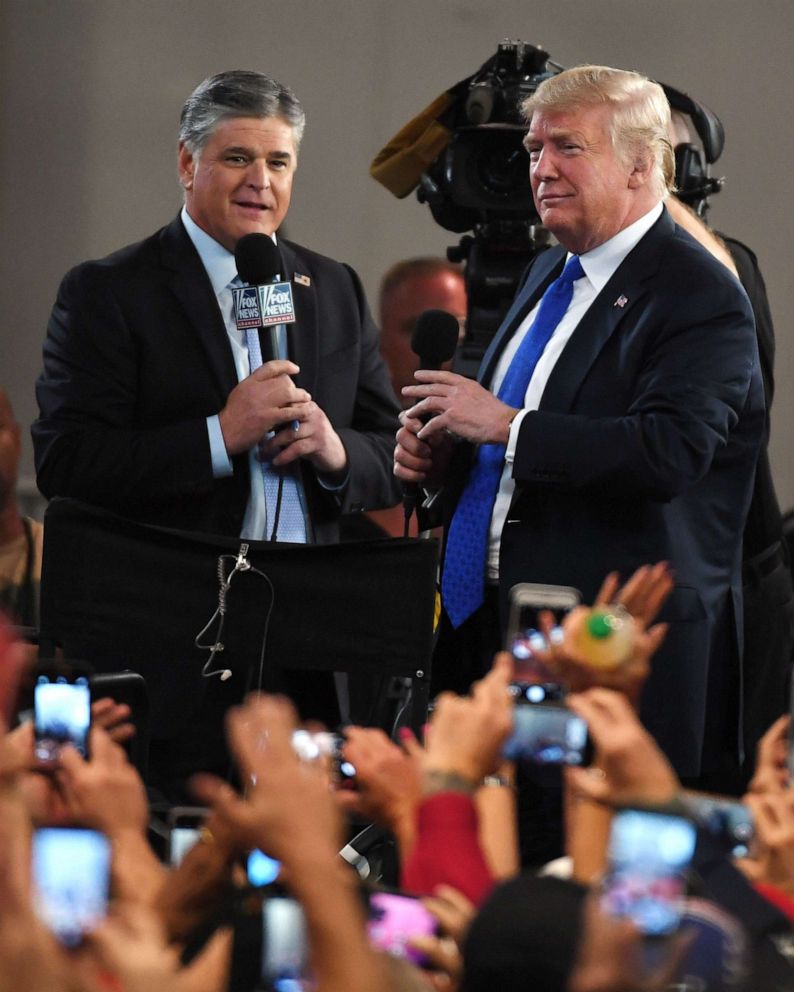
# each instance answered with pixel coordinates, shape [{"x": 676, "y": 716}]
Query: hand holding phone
[
  {"x": 62, "y": 715},
  {"x": 394, "y": 919},
  {"x": 524, "y": 637}
]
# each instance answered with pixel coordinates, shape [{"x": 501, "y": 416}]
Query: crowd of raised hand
[{"x": 450, "y": 806}]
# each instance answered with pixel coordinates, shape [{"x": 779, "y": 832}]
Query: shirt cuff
[
  {"x": 332, "y": 487},
  {"x": 512, "y": 437},
  {"x": 221, "y": 464}
]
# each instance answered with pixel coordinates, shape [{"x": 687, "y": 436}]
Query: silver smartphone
[{"x": 524, "y": 639}]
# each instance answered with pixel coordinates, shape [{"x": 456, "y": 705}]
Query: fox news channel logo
[
  {"x": 276, "y": 304},
  {"x": 247, "y": 312}
]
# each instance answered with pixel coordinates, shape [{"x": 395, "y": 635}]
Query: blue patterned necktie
[
  {"x": 463, "y": 579},
  {"x": 291, "y": 524}
]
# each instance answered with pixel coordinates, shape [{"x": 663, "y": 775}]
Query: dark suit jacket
[
  {"x": 643, "y": 449},
  {"x": 137, "y": 357}
]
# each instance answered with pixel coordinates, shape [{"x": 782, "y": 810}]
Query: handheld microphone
[
  {"x": 266, "y": 304},
  {"x": 434, "y": 340}
]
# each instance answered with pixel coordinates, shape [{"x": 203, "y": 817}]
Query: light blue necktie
[
  {"x": 291, "y": 525},
  {"x": 463, "y": 579}
]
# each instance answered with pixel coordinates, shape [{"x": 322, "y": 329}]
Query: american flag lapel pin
[
  {"x": 302, "y": 280},
  {"x": 621, "y": 301}
]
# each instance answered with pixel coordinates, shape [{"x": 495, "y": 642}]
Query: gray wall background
[{"x": 91, "y": 91}]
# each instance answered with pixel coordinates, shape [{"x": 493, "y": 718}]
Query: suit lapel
[
  {"x": 615, "y": 303},
  {"x": 304, "y": 334},
  {"x": 191, "y": 286},
  {"x": 544, "y": 271}
]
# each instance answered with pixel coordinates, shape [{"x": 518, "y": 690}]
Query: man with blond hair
[{"x": 616, "y": 418}]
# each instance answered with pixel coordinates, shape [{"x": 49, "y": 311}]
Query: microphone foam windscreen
[
  {"x": 435, "y": 338},
  {"x": 257, "y": 259}
]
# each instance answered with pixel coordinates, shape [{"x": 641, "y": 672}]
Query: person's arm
[
  {"x": 464, "y": 743},
  {"x": 107, "y": 793},
  {"x": 628, "y": 768},
  {"x": 30, "y": 957},
  {"x": 198, "y": 884},
  {"x": 495, "y": 801},
  {"x": 388, "y": 782},
  {"x": 290, "y": 813}
]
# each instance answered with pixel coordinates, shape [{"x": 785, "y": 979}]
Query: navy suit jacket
[
  {"x": 137, "y": 357},
  {"x": 643, "y": 449}
]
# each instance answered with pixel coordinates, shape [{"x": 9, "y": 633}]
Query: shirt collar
[
  {"x": 601, "y": 263},
  {"x": 217, "y": 260}
]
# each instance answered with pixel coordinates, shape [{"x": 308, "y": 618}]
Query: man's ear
[
  {"x": 641, "y": 173},
  {"x": 185, "y": 165}
]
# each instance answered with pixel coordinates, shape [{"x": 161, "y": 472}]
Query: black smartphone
[
  {"x": 724, "y": 817},
  {"x": 62, "y": 714},
  {"x": 524, "y": 639},
  {"x": 648, "y": 861},
  {"x": 396, "y": 917},
  {"x": 71, "y": 880},
  {"x": 547, "y": 733},
  {"x": 184, "y": 830}
]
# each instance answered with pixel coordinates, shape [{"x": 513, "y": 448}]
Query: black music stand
[{"x": 125, "y": 595}]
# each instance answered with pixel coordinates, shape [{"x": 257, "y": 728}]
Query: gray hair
[
  {"x": 236, "y": 93},
  {"x": 640, "y": 121}
]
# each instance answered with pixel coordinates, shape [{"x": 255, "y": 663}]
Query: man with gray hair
[
  {"x": 149, "y": 402},
  {"x": 616, "y": 419}
]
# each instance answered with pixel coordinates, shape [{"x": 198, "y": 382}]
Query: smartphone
[
  {"x": 548, "y": 734},
  {"x": 62, "y": 714},
  {"x": 648, "y": 860},
  {"x": 394, "y": 918},
  {"x": 184, "y": 830},
  {"x": 261, "y": 869},
  {"x": 285, "y": 944},
  {"x": 524, "y": 639},
  {"x": 270, "y": 950},
  {"x": 71, "y": 880},
  {"x": 319, "y": 745},
  {"x": 725, "y": 818}
]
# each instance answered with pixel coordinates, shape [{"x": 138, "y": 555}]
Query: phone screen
[
  {"x": 546, "y": 734},
  {"x": 181, "y": 840},
  {"x": 285, "y": 946},
  {"x": 71, "y": 871},
  {"x": 394, "y": 919},
  {"x": 62, "y": 715},
  {"x": 262, "y": 869},
  {"x": 524, "y": 638},
  {"x": 184, "y": 830},
  {"x": 649, "y": 855}
]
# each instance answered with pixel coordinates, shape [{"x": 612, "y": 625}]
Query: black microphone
[
  {"x": 434, "y": 340},
  {"x": 266, "y": 303}
]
